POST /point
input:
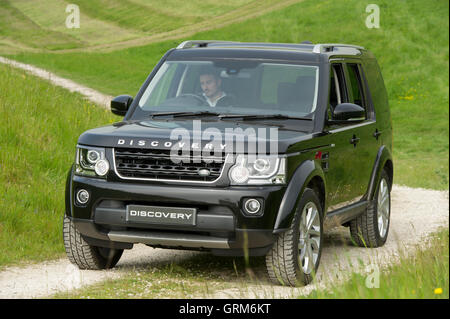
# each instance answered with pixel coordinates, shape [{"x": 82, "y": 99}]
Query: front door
[
  {"x": 366, "y": 142},
  {"x": 352, "y": 157}
]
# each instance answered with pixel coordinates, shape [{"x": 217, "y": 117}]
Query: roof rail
[
  {"x": 199, "y": 43},
  {"x": 322, "y": 47}
]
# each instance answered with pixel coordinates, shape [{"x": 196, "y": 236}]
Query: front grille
[{"x": 158, "y": 165}]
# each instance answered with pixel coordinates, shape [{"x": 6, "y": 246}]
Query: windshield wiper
[
  {"x": 185, "y": 113},
  {"x": 263, "y": 116}
]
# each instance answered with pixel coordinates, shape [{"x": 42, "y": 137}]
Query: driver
[{"x": 212, "y": 91}]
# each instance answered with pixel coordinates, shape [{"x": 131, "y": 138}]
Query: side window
[
  {"x": 338, "y": 93},
  {"x": 356, "y": 85}
]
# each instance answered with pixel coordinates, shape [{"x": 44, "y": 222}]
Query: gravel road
[{"x": 415, "y": 214}]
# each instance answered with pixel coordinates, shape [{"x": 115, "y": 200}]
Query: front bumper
[{"x": 221, "y": 224}]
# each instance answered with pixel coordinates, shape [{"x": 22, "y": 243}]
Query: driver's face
[{"x": 210, "y": 85}]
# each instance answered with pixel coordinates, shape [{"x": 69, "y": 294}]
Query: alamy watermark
[
  {"x": 373, "y": 279},
  {"x": 73, "y": 19},
  {"x": 373, "y": 19},
  {"x": 72, "y": 279},
  {"x": 209, "y": 143}
]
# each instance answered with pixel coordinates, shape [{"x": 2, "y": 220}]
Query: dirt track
[
  {"x": 90, "y": 94},
  {"x": 415, "y": 214}
]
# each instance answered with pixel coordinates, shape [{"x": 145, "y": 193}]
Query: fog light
[
  {"x": 101, "y": 167},
  {"x": 83, "y": 196},
  {"x": 252, "y": 206}
]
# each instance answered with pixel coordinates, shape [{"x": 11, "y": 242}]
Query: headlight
[
  {"x": 258, "y": 170},
  {"x": 91, "y": 161}
]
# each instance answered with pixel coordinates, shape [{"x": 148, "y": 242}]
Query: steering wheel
[{"x": 198, "y": 98}]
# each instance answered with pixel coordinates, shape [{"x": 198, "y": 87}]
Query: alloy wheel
[
  {"x": 309, "y": 242},
  {"x": 383, "y": 208}
]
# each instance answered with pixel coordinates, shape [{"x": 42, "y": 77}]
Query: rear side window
[{"x": 355, "y": 80}]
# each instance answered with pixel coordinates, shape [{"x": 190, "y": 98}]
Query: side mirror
[
  {"x": 120, "y": 104},
  {"x": 349, "y": 111}
]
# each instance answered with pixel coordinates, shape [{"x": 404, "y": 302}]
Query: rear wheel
[
  {"x": 371, "y": 228},
  {"x": 86, "y": 256},
  {"x": 295, "y": 256}
]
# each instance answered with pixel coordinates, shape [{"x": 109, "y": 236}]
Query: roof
[{"x": 305, "y": 47}]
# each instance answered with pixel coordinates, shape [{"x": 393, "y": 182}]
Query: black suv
[{"x": 239, "y": 149}]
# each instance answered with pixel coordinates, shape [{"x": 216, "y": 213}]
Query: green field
[
  {"x": 40, "y": 26},
  {"x": 411, "y": 46},
  {"x": 41, "y": 125},
  {"x": 42, "y": 122}
]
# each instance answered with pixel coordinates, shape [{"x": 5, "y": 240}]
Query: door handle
[
  {"x": 354, "y": 140},
  {"x": 377, "y": 133}
]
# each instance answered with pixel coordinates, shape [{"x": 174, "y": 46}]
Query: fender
[
  {"x": 69, "y": 192},
  {"x": 302, "y": 175},
  {"x": 383, "y": 156}
]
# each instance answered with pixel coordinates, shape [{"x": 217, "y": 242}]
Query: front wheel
[
  {"x": 86, "y": 256},
  {"x": 295, "y": 256}
]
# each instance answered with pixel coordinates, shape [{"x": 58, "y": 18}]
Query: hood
[{"x": 228, "y": 136}]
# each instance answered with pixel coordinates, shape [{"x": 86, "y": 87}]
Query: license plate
[{"x": 161, "y": 215}]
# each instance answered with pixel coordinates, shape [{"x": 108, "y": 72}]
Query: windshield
[{"x": 233, "y": 87}]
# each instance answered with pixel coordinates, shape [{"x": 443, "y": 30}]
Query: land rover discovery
[{"x": 238, "y": 149}]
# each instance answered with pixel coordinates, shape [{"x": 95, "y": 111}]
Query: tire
[
  {"x": 372, "y": 227},
  {"x": 85, "y": 256},
  {"x": 287, "y": 263}
]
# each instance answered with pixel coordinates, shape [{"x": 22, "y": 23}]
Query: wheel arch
[
  {"x": 389, "y": 166},
  {"x": 317, "y": 184},
  {"x": 68, "y": 191},
  {"x": 382, "y": 161},
  {"x": 308, "y": 175}
]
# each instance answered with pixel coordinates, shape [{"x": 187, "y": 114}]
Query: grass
[
  {"x": 422, "y": 275},
  {"x": 19, "y": 32},
  {"x": 41, "y": 124},
  {"x": 33, "y": 25},
  {"x": 415, "y": 68}
]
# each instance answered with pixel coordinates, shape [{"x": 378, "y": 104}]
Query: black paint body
[{"x": 352, "y": 156}]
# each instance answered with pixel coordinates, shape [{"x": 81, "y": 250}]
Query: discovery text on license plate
[{"x": 161, "y": 215}]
